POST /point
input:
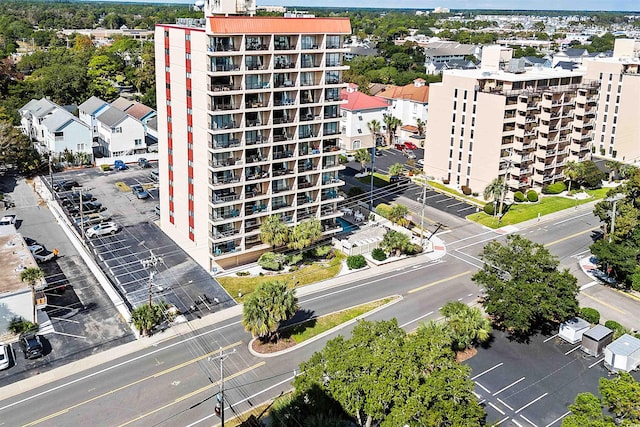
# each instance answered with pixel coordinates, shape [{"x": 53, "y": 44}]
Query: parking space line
[
  {"x": 482, "y": 387},
  {"x": 532, "y": 402},
  {"x": 455, "y": 204},
  {"x": 467, "y": 208},
  {"x": 527, "y": 420},
  {"x": 496, "y": 408},
  {"x": 558, "y": 419},
  {"x": 572, "y": 350},
  {"x": 501, "y": 401},
  {"x": 502, "y": 420},
  {"x": 507, "y": 387},
  {"x": 594, "y": 364},
  {"x": 69, "y": 335},
  {"x": 550, "y": 338},
  {"x": 488, "y": 370},
  {"x": 516, "y": 423}
]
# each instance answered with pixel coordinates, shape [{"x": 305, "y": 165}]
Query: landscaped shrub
[
  {"x": 617, "y": 328},
  {"x": 413, "y": 249},
  {"x": 475, "y": 194},
  {"x": 293, "y": 268},
  {"x": 532, "y": 196},
  {"x": 383, "y": 210},
  {"x": 355, "y": 262},
  {"x": 489, "y": 209},
  {"x": 591, "y": 315},
  {"x": 272, "y": 261},
  {"x": 555, "y": 188},
  {"x": 242, "y": 273},
  {"x": 18, "y": 325},
  {"x": 342, "y": 159},
  {"x": 294, "y": 259},
  {"x": 519, "y": 197},
  {"x": 105, "y": 168},
  {"x": 378, "y": 254},
  {"x": 355, "y": 192},
  {"x": 322, "y": 251},
  {"x": 466, "y": 190}
]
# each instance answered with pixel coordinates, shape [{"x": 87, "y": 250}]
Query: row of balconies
[
  {"x": 274, "y": 42},
  {"x": 232, "y": 64},
  {"x": 267, "y": 172}
]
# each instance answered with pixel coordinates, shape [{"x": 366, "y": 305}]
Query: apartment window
[
  {"x": 473, "y": 121},
  {"x": 615, "y": 111},
  {"x": 80, "y": 147},
  {"x": 188, "y": 74},
  {"x": 608, "y": 98},
  {"x": 461, "y": 143},
  {"x": 619, "y": 88},
  {"x": 459, "y": 168},
  {"x": 462, "y": 132},
  {"x": 360, "y": 117},
  {"x": 471, "y": 143},
  {"x": 188, "y": 93},
  {"x": 609, "y": 87},
  {"x": 453, "y": 130},
  {"x": 613, "y": 130},
  {"x": 138, "y": 142},
  {"x": 610, "y": 77},
  {"x": 189, "y": 111},
  {"x": 359, "y": 130},
  {"x": 469, "y": 159},
  {"x": 453, "y": 117},
  {"x": 617, "y": 99},
  {"x": 460, "y": 156},
  {"x": 471, "y": 134},
  {"x": 468, "y": 172},
  {"x": 602, "y": 139},
  {"x": 167, "y": 86},
  {"x": 188, "y": 56},
  {"x": 612, "y": 140},
  {"x": 166, "y": 51},
  {"x": 464, "y": 107},
  {"x": 604, "y": 128},
  {"x": 450, "y": 154},
  {"x": 166, "y": 33},
  {"x": 615, "y": 119},
  {"x": 455, "y": 95},
  {"x": 449, "y": 170},
  {"x": 473, "y": 110},
  {"x": 464, "y": 96},
  {"x": 605, "y": 118},
  {"x": 167, "y": 68},
  {"x": 462, "y": 120},
  {"x": 475, "y": 98},
  {"x": 606, "y": 108},
  {"x": 168, "y": 103}
]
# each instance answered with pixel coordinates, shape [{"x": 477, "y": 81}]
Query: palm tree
[
  {"x": 270, "y": 304},
  {"x": 392, "y": 124},
  {"x": 494, "y": 190},
  {"x": 374, "y": 127},
  {"x": 305, "y": 233},
  {"x": 32, "y": 275},
  {"x": 420, "y": 125},
  {"x": 396, "y": 169},
  {"x": 146, "y": 316},
  {"x": 572, "y": 171},
  {"x": 362, "y": 156},
  {"x": 398, "y": 215},
  {"x": 394, "y": 241},
  {"x": 468, "y": 325},
  {"x": 274, "y": 232}
]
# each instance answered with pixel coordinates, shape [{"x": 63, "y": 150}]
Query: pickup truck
[
  {"x": 41, "y": 255},
  {"x": 8, "y": 220}
]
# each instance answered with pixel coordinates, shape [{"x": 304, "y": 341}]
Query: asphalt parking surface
[
  {"x": 532, "y": 384},
  {"x": 83, "y": 321},
  {"x": 178, "y": 280}
]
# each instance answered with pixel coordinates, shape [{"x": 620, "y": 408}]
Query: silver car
[
  {"x": 4, "y": 356},
  {"x": 102, "y": 229}
]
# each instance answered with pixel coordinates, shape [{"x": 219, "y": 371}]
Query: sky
[{"x": 615, "y": 5}]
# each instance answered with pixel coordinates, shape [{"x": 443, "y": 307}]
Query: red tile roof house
[
  {"x": 357, "y": 113},
  {"x": 408, "y": 103}
]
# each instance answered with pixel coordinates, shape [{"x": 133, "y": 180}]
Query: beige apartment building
[
  {"x": 521, "y": 125},
  {"x": 249, "y": 124},
  {"x": 617, "y": 126}
]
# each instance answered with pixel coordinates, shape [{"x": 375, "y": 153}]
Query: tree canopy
[
  {"x": 266, "y": 307},
  {"x": 523, "y": 286}
]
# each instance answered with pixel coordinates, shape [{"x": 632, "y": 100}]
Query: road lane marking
[
  {"x": 501, "y": 401},
  {"x": 516, "y": 423},
  {"x": 527, "y": 420},
  {"x": 416, "y": 319},
  {"x": 572, "y": 218},
  {"x": 532, "y": 402},
  {"x": 496, "y": 408},
  {"x": 588, "y": 285},
  {"x": 488, "y": 370},
  {"x": 598, "y": 300},
  {"x": 571, "y": 236},
  {"x": 437, "y": 282},
  {"x": 116, "y": 390},
  {"x": 195, "y": 392},
  {"x": 507, "y": 387},
  {"x": 558, "y": 419}
]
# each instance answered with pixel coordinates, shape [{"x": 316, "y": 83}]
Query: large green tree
[
  {"x": 383, "y": 376},
  {"x": 32, "y": 275},
  {"x": 524, "y": 288},
  {"x": 396, "y": 169},
  {"x": 270, "y": 304},
  {"x": 146, "y": 316},
  {"x": 273, "y": 231},
  {"x": 305, "y": 233},
  {"x": 467, "y": 324}
]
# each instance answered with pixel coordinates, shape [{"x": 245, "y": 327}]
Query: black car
[
  {"x": 398, "y": 179},
  {"x": 65, "y": 185},
  {"x": 31, "y": 345},
  {"x": 144, "y": 163},
  {"x": 74, "y": 198},
  {"x": 87, "y": 208}
]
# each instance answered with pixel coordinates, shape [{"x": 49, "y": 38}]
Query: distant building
[
  {"x": 358, "y": 51},
  {"x": 454, "y": 64},
  {"x": 440, "y": 52}
]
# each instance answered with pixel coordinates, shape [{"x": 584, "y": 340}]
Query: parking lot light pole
[{"x": 150, "y": 264}]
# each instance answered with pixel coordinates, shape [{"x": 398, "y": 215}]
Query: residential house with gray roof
[
  {"x": 32, "y": 115},
  {"x": 119, "y": 134},
  {"x": 65, "y": 132},
  {"x": 89, "y": 110}
]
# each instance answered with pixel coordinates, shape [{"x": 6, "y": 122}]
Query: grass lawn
[
  {"x": 379, "y": 180},
  {"x": 311, "y": 328},
  {"x": 306, "y": 275},
  {"x": 523, "y": 212}
]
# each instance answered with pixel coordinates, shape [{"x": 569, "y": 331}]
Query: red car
[
  {"x": 410, "y": 145},
  {"x": 399, "y": 146}
]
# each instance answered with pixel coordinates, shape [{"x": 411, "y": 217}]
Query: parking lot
[
  {"x": 556, "y": 372},
  {"x": 177, "y": 279}
]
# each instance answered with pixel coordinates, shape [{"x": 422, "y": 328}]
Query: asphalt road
[{"x": 175, "y": 384}]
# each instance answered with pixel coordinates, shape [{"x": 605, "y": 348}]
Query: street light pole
[
  {"x": 424, "y": 201},
  {"x": 150, "y": 264}
]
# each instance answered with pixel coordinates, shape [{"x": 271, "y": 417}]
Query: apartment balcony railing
[
  {"x": 219, "y": 88},
  {"x": 224, "y": 199},
  {"x": 218, "y": 145}
]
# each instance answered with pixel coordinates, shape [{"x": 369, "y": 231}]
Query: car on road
[
  {"x": 139, "y": 191},
  {"x": 399, "y": 146},
  {"x": 74, "y": 198},
  {"x": 92, "y": 219},
  {"x": 29, "y": 241},
  {"x": 410, "y": 154},
  {"x": 65, "y": 185},
  {"x": 120, "y": 165},
  {"x": 4, "y": 356},
  {"x": 399, "y": 179},
  {"x": 31, "y": 345},
  {"x": 144, "y": 163},
  {"x": 410, "y": 145},
  {"x": 378, "y": 152},
  {"x": 102, "y": 229},
  {"x": 8, "y": 220}
]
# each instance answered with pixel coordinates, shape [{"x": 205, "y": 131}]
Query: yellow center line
[
  {"x": 437, "y": 282},
  {"x": 603, "y": 303},
  {"x": 195, "y": 392},
  {"x": 156, "y": 375},
  {"x": 572, "y": 236}
]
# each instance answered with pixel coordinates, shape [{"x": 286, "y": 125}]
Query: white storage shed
[
  {"x": 571, "y": 331},
  {"x": 623, "y": 354}
]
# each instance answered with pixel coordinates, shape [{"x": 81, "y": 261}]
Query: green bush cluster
[
  {"x": 591, "y": 315},
  {"x": 383, "y": 210},
  {"x": 532, "y": 196},
  {"x": 355, "y": 262},
  {"x": 242, "y": 273},
  {"x": 294, "y": 259},
  {"x": 413, "y": 249},
  {"x": 519, "y": 197},
  {"x": 18, "y": 325},
  {"x": 322, "y": 251},
  {"x": 378, "y": 254},
  {"x": 272, "y": 261},
  {"x": 555, "y": 188},
  {"x": 617, "y": 328}
]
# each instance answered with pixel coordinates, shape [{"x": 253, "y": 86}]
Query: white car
[
  {"x": 8, "y": 220},
  {"x": 102, "y": 229},
  {"x": 4, "y": 356},
  {"x": 420, "y": 162},
  {"x": 40, "y": 255}
]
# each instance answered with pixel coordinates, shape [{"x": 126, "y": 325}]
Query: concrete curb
[{"x": 397, "y": 298}]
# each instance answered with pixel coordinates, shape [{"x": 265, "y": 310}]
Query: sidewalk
[{"x": 184, "y": 329}]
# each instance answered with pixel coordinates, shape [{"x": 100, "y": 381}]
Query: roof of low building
[
  {"x": 576, "y": 324},
  {"x": 358, "y": 101},
  {"x": 91, "y": 105},
  {"x": 598, "y": 332},
  {"x": 40, "y": 107},
  {"x": 14, "y": 258},
  {"x": 410, "y": 92},
  {"x": 59, "y": 119},
  {"x": 626, "y": 345},
  {"x": 112, "y": 116}
]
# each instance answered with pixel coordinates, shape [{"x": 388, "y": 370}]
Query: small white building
[
  {"x": 32, "y": 115},
  {"x": 623, "y": 354},
  {"x": 571, "y": 331},
  {"x": 65, "y": 132},
  {"x": 409, "y": 103},
  {"x": 120, "y": 133},
  {"x": 89, "y": 110}
]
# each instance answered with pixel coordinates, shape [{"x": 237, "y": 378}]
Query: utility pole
[
  {"x": 219, "y": 409},
  {"x": 615, "y": 200},
  {"x": 373, "y": 163},
  {"x": 81, "y": 213},
  {"x": 424, "y": 201},
  {"x": 150, "y": 264},
  {"x": 51, "y": 174}
]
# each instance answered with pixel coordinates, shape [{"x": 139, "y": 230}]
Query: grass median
[{"x": 379, "y": 180}]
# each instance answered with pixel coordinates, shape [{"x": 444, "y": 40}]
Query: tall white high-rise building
[{"x": 248, "y": 123}]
